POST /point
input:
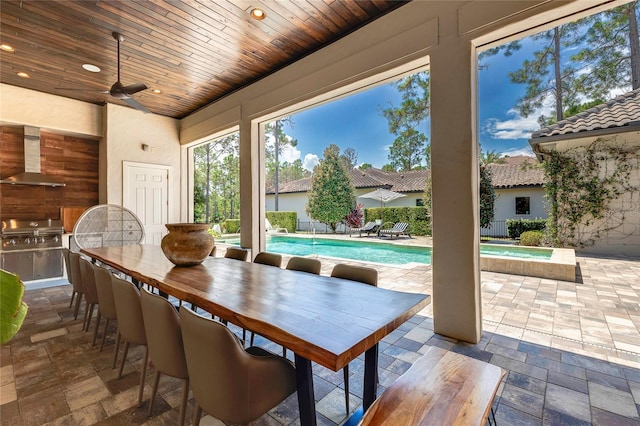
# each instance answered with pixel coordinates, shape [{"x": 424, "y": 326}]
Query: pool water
[{"x": 379, "y": 252}]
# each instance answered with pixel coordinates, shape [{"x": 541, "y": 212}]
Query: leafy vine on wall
[{"x": 591, "y": 190}]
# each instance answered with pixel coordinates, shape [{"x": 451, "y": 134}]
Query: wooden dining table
[{"x": 321, "y": 319}]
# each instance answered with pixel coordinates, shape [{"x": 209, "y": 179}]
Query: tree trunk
[
  {"x": 634, "y": 45},
  {"x": 558, "y": 75}
]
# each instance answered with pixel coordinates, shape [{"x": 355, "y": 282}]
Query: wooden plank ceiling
[{"x": 193, "y": 51}]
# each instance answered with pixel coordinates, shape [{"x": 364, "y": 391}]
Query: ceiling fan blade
[
  {"x": 134, "y": 88},
  {"x": 137, "y": 105}
]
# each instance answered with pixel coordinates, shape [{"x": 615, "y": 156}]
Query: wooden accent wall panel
[{"x": 71, "y": 159}]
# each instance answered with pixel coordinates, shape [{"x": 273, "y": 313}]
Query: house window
[{"x": 522, "y": 205}]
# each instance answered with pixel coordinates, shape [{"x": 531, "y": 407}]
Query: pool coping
[{"x": 561, "y": 265}]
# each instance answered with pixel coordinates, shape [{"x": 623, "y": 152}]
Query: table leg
[
  {"x": 304, "y": 385},
  {"x": 370, "y": 368}
]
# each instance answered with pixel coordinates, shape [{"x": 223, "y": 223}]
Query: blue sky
[{"x": 355, "y": 121}]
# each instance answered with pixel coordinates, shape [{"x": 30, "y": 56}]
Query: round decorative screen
[{"x": 107, "y": 225}]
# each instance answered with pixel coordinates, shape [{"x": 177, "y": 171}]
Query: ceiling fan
[{"x": 119, "y": 90}]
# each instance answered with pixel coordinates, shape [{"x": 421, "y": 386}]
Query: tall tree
[
  {"x": 277, "y": 140},
  {"x": 488, "y": 157},
  {"x": 332, "y": 195},
  {"x": 487, "y": 197},
  {"x": 612, "y": 51},
  {"x": 350, "y": 158},
  {"x": 546, "y": 76},
  {"x": 608, "y": 58},
  {"x": 410, "y": 146},
  {"x": 206, "y": 158}
]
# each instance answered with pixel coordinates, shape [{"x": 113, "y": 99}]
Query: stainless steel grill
[{"x": 32, "y": 248}]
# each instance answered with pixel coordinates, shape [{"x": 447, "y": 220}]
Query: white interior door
[{"x": 145, "y": 192}]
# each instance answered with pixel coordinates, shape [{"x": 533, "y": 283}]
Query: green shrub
[
  {"x": 283, "y": 219},
  {"x": 515, "y": 227},
  {"x": 232, "y": 225},
  {"x": 417, "y": 217},
  {"x": 531, "y": 238}
]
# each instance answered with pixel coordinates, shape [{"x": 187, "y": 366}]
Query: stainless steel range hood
[{"x": 31, "y": 174}]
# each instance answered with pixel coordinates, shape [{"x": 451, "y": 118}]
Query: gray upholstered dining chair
[
  {"x": 164, "y": 339},
  {"x": 90, "y": 291},
  {"x": 364, "y": 275},
  {"x": 267, "y": 258},
  {"x": 230, "y": 383},
  {"x": 76, "y": 280},
  {"x": 106, "y": 307},
  {"x": 236, "y": 253},
  {"x": 130, "y": 324},
  {"x": 304, "y": 264}
]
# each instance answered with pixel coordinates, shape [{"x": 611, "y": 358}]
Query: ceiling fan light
[
  {"x": 91, "y": 68},
  {"x": 23, "y": 74},
  {"x": 6, "y": 48},
  {"x": 257, "y": 14}
]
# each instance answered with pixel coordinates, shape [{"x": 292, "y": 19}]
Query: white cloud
[
  {"x": 310, "y": 161},
  {"x": 289, "y": 154},
  {"x": 514, "y": 152},
  {"x": 517, "y": 127}
]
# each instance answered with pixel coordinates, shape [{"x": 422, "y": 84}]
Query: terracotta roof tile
[
  {"x": 514, "y": 175},
  {"x": 519, "y": 171},
  {"x": 623, "y": 110}
]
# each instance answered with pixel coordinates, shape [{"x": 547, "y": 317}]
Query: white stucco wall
[
  {"x": 296, "y": 202},
  {"x": 505, "y": 208}
]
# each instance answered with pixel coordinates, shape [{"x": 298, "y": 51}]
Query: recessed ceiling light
[
  {"x": 23, "y": 74},
  {"x": 91, "y": 67},
  {"x": 6, "y": 48},
  {"x": 156, "y": 91},
  {"x": 257, "y": 13}
]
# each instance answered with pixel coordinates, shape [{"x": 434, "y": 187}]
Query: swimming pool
[{"x": 379, "y": 252}]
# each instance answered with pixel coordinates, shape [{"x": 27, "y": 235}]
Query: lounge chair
[
  {"x": 399, "y": 228},
  {"x": 272, "y": 230},
  {"x": 369, "y": 227}
]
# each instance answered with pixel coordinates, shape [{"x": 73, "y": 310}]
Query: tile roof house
[
  {"x": 518, "y": 180},
  {"x": 614, "y": 123}
]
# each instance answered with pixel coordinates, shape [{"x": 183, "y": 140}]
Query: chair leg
[
  {"x": 104, "y": 334},
  {"x": 124, "y": 358},
  {"x": 197, "y": 413},
  {"x": 115, "y": 354},
  {"x": 78, "y": 299},
  {"x": 252, "y": 336},
  {"x": 95, "y": 332},
  {"x": 90, "y": 312},
  {"x": 156, "y": 380},
  {"x": 143, "y": 375},
  {"x": 73, "y": 295},
  {"x": 185, "y": 401},
  {"x": 345, "y": 372}
]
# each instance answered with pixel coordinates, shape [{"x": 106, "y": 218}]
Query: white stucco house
[
  {"x": 518, "y": 185},
  {"x": 614, "y": 124}
]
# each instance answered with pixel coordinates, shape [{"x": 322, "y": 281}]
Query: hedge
[
  {"x": 515, "y": 227},
  {"x": 417, "y": 217},
  {"x": 281, "y": 219}
]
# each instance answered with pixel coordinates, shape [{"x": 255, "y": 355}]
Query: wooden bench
[{"x": 440, "y": 388}]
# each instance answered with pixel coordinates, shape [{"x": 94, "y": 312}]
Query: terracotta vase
[{"x": 187, "y": 244}]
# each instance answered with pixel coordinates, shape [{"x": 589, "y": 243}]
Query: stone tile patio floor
[{"x": 571, "y": 351}]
